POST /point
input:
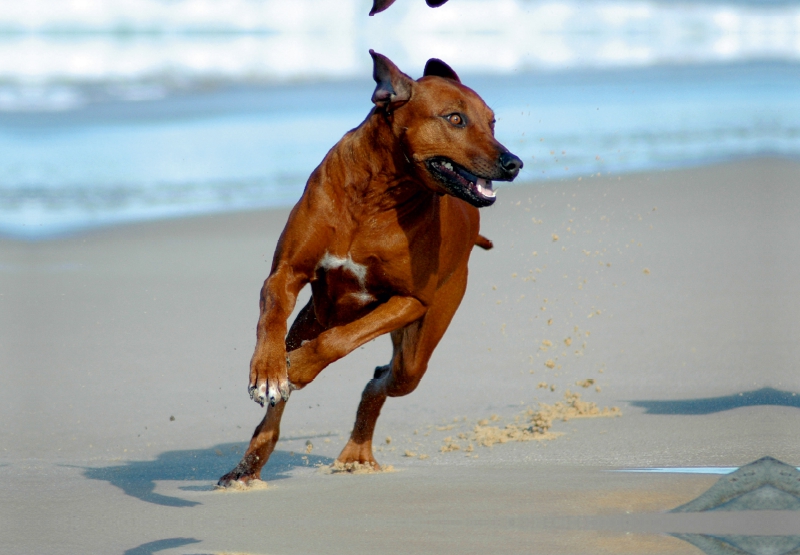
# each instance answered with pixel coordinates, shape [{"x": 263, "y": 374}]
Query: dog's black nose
[{"x": 511, "y": 164}]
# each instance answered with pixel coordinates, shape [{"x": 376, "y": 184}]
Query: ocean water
[{"x": 121, "y": 110}]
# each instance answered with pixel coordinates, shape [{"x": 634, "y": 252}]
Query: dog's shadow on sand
[
  {"x": 138, "y": 478},
  {"x": 708, "y": 405},
  {"x": 160, "y": 545}
]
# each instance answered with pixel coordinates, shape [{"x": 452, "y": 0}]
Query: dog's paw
[
  {"x": 270, "y": 386},
  {"x": 258, "y": 393},
  {"x": 272, "y": 390},
  {"x": 278, "y": 390},
  {"x": 237, "y": 479}
]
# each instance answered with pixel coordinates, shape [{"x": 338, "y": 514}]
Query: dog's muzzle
[
  {"x": 477, "y": 190},
  {"x": 461, "y": 183},
  {"x": 511, "y": 164}
]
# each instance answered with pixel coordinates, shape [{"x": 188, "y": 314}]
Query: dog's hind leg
[{"x": 413, "y": 347}]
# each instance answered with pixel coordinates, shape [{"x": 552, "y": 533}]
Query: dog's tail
[{"x": 484, "y": 243}]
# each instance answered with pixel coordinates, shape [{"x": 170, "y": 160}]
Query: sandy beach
[{"x": 671, "y": 295}]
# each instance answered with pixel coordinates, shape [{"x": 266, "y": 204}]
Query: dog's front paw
[
  {"x": 248, "y": 469},
  {"x": 258, "y": 393},
  {"x": 272, "y": 389}
]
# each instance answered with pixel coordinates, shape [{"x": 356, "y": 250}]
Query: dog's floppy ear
[
  {"x": 437, "y": 67},
  {"x": 393, "y": 86}
]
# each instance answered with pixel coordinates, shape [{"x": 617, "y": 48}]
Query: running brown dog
[{"x": 383, "y": 233}]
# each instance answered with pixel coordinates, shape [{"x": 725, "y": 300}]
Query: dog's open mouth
[{"x": 467, "y": 186}]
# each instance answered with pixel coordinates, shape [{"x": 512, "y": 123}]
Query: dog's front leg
[
  {"x": 268, "y": 367},
  {"x": 308, "y": 360}
]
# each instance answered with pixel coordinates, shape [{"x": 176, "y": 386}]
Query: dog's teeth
[{"x": 484, "y": 188}]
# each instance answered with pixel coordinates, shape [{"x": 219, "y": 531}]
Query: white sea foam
[
  {"x": 579, "y": 87},
  {"x": 122, "y": 43}
]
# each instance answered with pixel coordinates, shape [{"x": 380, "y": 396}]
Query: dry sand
[{"x": 671, "y": 295}]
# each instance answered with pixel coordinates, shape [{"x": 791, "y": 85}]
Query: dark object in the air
[{"x": 380, "y": 5}]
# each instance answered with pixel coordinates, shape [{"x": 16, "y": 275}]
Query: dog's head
[{"x": 445, "y": 129}]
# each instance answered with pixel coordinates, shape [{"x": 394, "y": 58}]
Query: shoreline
[
  {"x": 244, "y": 211},
  {"x": 228, "y": 149}
]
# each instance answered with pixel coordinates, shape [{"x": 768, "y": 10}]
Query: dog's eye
[{"x": 456, "y": 119}]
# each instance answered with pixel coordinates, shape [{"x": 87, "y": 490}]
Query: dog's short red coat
[{"x": 384, "y": 245}]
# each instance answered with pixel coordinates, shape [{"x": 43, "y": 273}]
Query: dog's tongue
[{"x": 485, "y": 187}]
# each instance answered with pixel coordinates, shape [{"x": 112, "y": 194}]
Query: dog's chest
[
  {"x": 344, "y": 279},
  {"x": 347, "y": 280}
]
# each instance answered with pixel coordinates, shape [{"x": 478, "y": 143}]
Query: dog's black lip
[{"x": 459, "y": 181}]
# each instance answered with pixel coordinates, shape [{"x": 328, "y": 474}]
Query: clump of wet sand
[
  {"x": 532, "y": 425},
  {"x": 252, "y": 485},
  {"x": 354, "y": 468}
]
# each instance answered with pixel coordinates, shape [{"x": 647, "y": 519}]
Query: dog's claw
[
  {"x": 274, "y": 395},
  {"x": 257, "y": 394}
]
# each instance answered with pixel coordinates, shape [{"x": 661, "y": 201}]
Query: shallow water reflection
[
  {"x": 764, "y": 485},
  {"x": 744, "y": 545}
]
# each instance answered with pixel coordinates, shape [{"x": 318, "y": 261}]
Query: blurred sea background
[{"x": 115, "y": 111}]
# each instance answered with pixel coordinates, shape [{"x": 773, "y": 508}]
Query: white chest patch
[{"x": 330, "y": 262}]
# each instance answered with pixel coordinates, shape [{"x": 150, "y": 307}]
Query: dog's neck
[{"x": 380, "y": 175}]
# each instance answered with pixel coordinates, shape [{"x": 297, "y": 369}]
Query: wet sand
[{"x": 671, "y": 295}]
